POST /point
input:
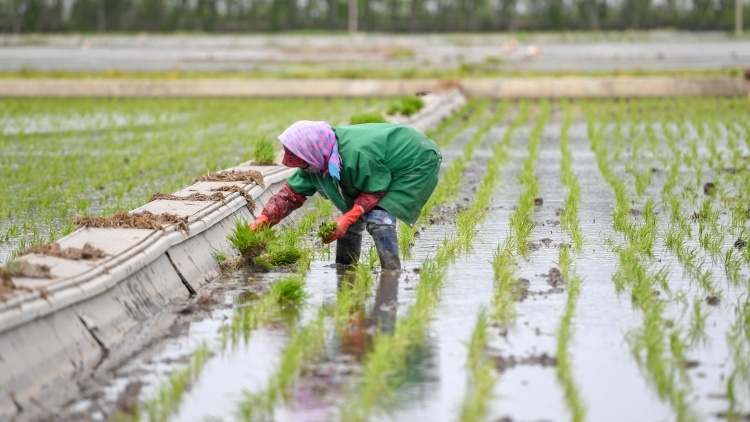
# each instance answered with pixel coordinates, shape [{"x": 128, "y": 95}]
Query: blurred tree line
[{"x": 373, "y": 15}]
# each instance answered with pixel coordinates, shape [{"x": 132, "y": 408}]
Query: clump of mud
[
  {"x": 6, "y": 284},
  {"x": 144, "y": 220},
  {"x": 192, "y": 197},
  {"x": 740, "y": 244},
  {"x": 503, "y": 363},
  {"x": 709, "y": 189},
  {"x": 554, "y": 277},
  {"x": 521, "y": 289},
  {"x": 76, "y": 254},
  {"x": 232, "y": 176},
  {"x": 243, "y": 192}
]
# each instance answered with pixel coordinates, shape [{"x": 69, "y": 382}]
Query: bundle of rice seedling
[
  {"x": 250, "y": 243},
  {"x": 326, "y": 229}
]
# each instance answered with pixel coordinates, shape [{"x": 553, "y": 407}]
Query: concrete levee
[
  {"x": 56, "y": 330},
  {"x": 506, "y": 88}
]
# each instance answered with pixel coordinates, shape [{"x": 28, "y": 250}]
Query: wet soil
[
  {"x": 232, "y": 176},
  {"x": 143, "y": 220},
  {"x": 76, "y": 254},
  {"x": 504, "y": 363}
]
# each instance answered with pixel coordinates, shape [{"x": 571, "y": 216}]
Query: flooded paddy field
[
  {"x": 577, "y": 261},
  {"x": 66, "y": 158}
]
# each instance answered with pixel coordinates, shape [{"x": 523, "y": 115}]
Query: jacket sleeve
[{"x": 282, "y": 204}]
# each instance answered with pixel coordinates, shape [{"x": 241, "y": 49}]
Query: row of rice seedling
[
  {"x": 387, "y": 359},
  {"x": 481, "y": 378},
  {"x": 662, "y": 358},
  {"x": 503, "y": 260},
  {"x": 63, "y": 158},
  {"x": 570, "y": 223},
  {"x": 521, "y": 221}
]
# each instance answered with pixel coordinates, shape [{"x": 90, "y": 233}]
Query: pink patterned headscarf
[{"x": 315, "y": 143}]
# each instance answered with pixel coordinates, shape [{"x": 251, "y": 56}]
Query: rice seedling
[
  {"x": 481, "y": 380},
  {"x": 505, "y": 293},
  {"x": 264, "y": 152},
  {"x": 371, "y": 117},
  {"x": 250, "y": 243},
  {"x": 406, "y": 106},
  {"x": 289, "y": 290}
]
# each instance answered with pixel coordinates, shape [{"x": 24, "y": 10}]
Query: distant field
[{"x": 373, "y": 55}]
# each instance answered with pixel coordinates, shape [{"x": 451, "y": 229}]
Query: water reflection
[
  {"x": 328, "y": 382},
  {"x": 356, "y": 338}
]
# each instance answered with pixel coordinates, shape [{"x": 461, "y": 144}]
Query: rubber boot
[
  {"x": 382, "y": 227},
  {"x": 349, "y": 247}
]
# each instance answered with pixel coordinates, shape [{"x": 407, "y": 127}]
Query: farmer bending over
[{"x": 373, "y": 173}]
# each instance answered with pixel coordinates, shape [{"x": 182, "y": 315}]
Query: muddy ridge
[
  {"x": 232, "y": 176},
  {"x": 76, "y": 254},
  {"x": 144, "y": 220},
  {"x": 241, "y": 191},
  {"x": 192, "y": 197}
]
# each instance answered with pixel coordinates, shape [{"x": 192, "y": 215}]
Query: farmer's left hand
[{"x": 343, "y": 223}]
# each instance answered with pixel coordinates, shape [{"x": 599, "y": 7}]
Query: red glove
[
  {"x": 344, "y": 222},
  {"x": 259, "y": 223}
]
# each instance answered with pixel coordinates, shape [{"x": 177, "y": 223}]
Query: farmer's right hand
[{"x": 259, "y": 223}]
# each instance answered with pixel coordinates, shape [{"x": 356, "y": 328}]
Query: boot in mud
[
  {"x": 349, "y": 247},
  {"x": 382, "y": 227}
]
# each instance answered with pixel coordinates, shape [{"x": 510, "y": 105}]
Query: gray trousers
[{"x": 382, "y": 227}]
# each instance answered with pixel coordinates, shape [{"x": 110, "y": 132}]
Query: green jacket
[{"x": 379, "y": 157}]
